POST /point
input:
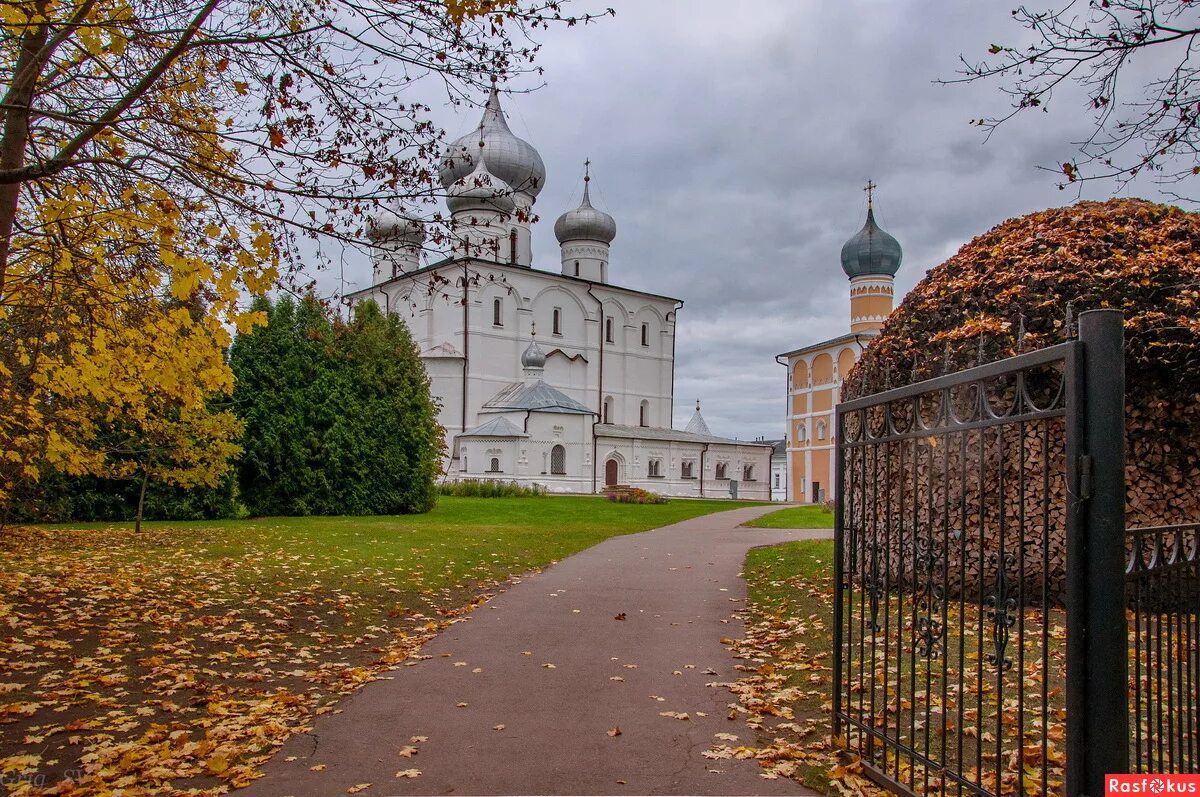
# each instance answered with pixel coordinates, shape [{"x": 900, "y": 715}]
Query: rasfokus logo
[{"x": 1151, "y": 784}]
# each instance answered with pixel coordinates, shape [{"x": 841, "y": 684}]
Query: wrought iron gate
[{"x": 979, "y": 620}]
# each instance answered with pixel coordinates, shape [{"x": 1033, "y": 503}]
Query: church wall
[{"x": 634, "y": 458}]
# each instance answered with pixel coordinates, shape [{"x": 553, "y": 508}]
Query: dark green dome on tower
[{"x": 871, "y": 251}]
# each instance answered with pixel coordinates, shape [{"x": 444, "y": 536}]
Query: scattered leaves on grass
[
  {"x": 620, "y": 616},
  {"x": 355, "y": 789},
  {"x": 409, "y": 773},
  {"x": 614, "y": 731},
  {"x": 498, "y": 727},
  {"x": 678, "y": 715},
  {"x": 408, "y": 751}
]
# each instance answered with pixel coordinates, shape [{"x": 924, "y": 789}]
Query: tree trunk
[
  {"x": 137, "y": 524},
  {"x": 14, "y": 139}
]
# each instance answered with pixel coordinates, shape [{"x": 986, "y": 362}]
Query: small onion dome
[
  {"x": 585, "y": 223},
  {"x": 871, "y": 251},
  {"x": 480, "y": 190},
  {"x": 513, "y": 160},
  {"x": 389, "y": 225},
  {"x": 533, "y": 357}
]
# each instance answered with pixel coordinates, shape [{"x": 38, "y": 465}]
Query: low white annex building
[{"x": 557, "y": 378}]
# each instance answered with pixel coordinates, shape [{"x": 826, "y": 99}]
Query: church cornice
[{"x": 473, "y": 262}]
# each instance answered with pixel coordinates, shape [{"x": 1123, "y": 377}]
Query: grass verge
[
  {"x": 785, "y": 692},
  {"x": 795, "y": 517},
  {"x": 181, "y": 658}
]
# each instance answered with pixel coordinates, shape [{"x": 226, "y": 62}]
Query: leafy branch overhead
[
  {"x": 1134, "y": 60},
  {"x": 160, "y": 160}
]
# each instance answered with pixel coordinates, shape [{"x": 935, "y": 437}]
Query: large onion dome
[
  {"x": 871, "y": 251},
  {"x": 585, "y": 223},
  {"x": 512, "y": 159},
  {"x": 388, "y": 224},
  {"x": 480, "y": 190}
]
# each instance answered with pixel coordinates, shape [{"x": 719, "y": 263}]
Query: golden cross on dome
[
  {"x": 870, "y": 189},
  {"x": 587, "y": 167}
]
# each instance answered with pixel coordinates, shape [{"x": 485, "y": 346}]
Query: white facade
[{"x": 589, "y": 404}]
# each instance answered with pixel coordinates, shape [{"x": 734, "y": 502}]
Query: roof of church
[
  {"x": 496, "y": 427},
  {"x": 535, "y": 396},
  {"x": 656, "y": 433},
  {"x": 847, "y": 338},
  {"x": 454, "y": 260},
  {"x": 697, "y": 425}
]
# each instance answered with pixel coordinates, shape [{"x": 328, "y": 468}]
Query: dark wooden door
[{"x": 610, "y": 473}]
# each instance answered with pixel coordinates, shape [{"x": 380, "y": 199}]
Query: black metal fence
[
  {"x": 1163, "y": 589},
  {"x": 971, "y": 619}
]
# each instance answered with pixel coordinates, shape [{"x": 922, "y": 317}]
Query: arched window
[
  {"x": 801, "y": 433},
  {"x": 512, "y": 246},
  {"x": 685, "y": 469},
  {"x": 644, "y": 414},
  {"x": 608, "y": 329},
  {"x": 747, "y": 473},
  {"x": 645, "y": 334},
  {"x": 556, "y": 326},
  {"x": 721, "y": 470},
  {"x": 558, "y": 460},
  {"x": 497, "y": 313},
  {"x": 464, "y": 463},
  {"x": 608, "y": 403},
  {"x": 820, "y": 430},
  {"x": 495, "y": 465},
  {"x": 654, "y": 467},
  {"x": 576, "y": 268}
]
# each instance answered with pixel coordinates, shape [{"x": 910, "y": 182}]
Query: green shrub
[{"x": 489, "y": 488}]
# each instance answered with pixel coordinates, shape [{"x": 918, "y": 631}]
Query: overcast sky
[{"x": 731, "y": 143}]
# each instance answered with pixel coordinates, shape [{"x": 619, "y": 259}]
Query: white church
[{"x": 562, "y": 379}]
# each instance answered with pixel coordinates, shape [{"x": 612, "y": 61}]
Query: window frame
[
  {"x": 560, "y": 450},
  {"x": 497, "y": 312}
]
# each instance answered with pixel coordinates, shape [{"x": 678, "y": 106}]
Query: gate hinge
[{"x": 1085, "y": 477}]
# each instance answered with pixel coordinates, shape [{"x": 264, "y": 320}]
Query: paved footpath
[{"x": 677, "y": 587}]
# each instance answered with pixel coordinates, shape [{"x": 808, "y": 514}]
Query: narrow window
[
  {"x": 645, "y": 334},
  {"x": 512, "y": 246},
  {"x": 497, "y": 310},
  {"x": 464, "y": 463},
  {"x": 608, "y": 410},
  {"x": 558, "y": 460},
  {"x": 576, "y": 268},
  {"x": 495, "y": 467},
  {"x": 608, "y": 329},
  {"x": 557, "y": 326},
  {"x": 643, "y": 413},
  {"x": 820, "y": 430},
  {"x": 776, "y": 480}
]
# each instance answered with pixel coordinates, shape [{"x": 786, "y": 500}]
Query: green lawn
[
  {"x": 233, "y": 634},
  {"x": 795, "y": 517}
]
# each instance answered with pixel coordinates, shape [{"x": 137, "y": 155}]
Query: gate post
[{"x": 1097, "y": 635}]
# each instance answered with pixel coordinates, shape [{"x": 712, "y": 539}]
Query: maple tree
[
  {"x": 185, "y": 149},
  {"x": 1017, "y": 287},
  {"x": 1155, "y": 127}
]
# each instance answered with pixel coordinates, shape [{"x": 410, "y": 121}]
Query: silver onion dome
[
  {"x": 480, "y": 190},
  {"x": 585, "y": 223},
  {"x": 512, "y": 159},
  {"x": 533, "y": 356},
  {"x": 389, "y": 224},
  {"x": 871, "y": 251}
]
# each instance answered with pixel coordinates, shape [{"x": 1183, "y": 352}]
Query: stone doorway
[{"x": 611, "y": 469}]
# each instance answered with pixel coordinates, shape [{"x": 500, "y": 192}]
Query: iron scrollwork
[
  {"x": 929, "y": 627},
  {"x": 1002, "y": 606}
]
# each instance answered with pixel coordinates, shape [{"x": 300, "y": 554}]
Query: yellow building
[{"x": 815, "y": 373}]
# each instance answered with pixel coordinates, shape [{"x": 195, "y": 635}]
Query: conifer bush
[{"x": 339, "y": 419}]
